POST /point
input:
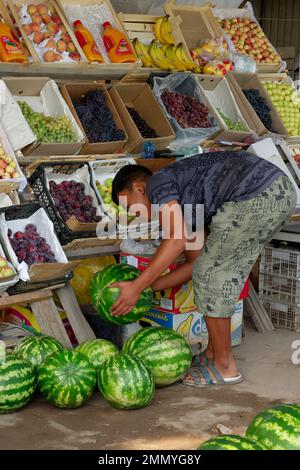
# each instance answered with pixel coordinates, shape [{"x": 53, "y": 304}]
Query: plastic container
[
  {"x": 118, "y": 48},
  {"x": 10, "y": 48},
  {"x": 87, "y": 43}
]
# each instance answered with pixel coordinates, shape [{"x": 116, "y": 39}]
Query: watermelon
[
  {"x": 35, "y": 349},
  {"x": 231, "y": 442},
  {"x": 103, "y": 296},
  {"x": 17, "y": 382},
  {"x": 67, "y": 379},
  {"x": 126, "y": 382},
  {"x": 165, "y": 352},
  {"x": 277, "y": 428},
  {"x": 98, "y": 351}
]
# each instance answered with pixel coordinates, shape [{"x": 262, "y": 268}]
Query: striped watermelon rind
[
  {"x": 231, "y": 442},
  {"x": 126, "y": 382},
  {"x": 103, "y": 297},
  {"x": 35, "y": 349},
  {"x": 277, "y": 428},
  {"x": 17, "y": 384},
  {"x": 98, "y": 351},
  {"x": 164, "y": 351},
  {"x": 67, "y": 379}
]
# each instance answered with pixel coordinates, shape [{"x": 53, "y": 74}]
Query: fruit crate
[
  {"x": 8, "y": 185},
  {"x": 283, "y": 315},
  {"x": 292, "y": 153},
  {"x": 142, "y": 27},
  {"x": 22, "y": 287},
  {"x": 214, "y": 15},
  {"x": 279, "y": 288},
  {"x": 65, "y": 230},
  {"x": 16, "y": 6},
  {"x": 280, "y": 262}
]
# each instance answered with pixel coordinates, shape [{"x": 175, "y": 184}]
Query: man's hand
[{"x": 129, "y": 295}]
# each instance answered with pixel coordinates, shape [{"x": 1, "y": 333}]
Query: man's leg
[{"x": 220, "y": 339}]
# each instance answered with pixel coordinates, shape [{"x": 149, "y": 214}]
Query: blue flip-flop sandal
[
  {"x": 208, "y": 375},
  {"x": 200, "y": 359}
]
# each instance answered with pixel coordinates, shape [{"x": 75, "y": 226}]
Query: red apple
[{"x": 53, "y": 27}]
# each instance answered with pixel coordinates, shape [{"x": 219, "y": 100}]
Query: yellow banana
[
  {"x": 181, "y": 54},
  {"x": 142, "y": 53},
  {"x": 158, "y": 57},
  {"x": 157, "y": 28},
  {"x": 166, "y": 31},
  {"x": 185, "y": 326},
  {"x": 189, "y": 303},
  {"x": 170, "y": 54}
]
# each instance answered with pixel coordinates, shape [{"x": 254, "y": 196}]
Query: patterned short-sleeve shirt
[{"x": 211, "y": 179}]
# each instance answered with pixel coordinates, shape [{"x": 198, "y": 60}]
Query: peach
[
  {"x": 63, "y": 29},
  {"x": 42, "y": 9},
  {"x": 51, "y": 9},
  {"x": 51, "y": 44},
  {"x": 27, "y": 29},
  {"x": 65, "y": 37},
  {"x": 49, "y": 56},
  {"x": 56, "y": 19},
  {"x": 48, "y": 35},
  {"x": 35, "y": 28},
  {"x": 47, "y": 19},
  {"x": 58, "y": 57},
  {"x": 37, "y": 19},
  {"x": 71, "y": 47},
  {"x": 38, "y": 38},
  {"x": 53, "y": 27},
  {"x": 32, "y": 9},
  {"x": 61, "y": 46},
  {"x": 75, "y": 56}
]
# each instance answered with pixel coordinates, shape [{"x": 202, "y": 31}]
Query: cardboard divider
[
  {"x": 141, "y": 98},
  {"x": 72, "y": 92}
]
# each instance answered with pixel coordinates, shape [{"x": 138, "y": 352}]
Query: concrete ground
[{"x": 179, "y": 417}]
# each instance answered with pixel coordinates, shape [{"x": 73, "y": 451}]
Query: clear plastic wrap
[{"x": 186, "y": 84}]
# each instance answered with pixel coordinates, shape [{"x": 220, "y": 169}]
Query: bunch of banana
[
  {"x": 159, "y": 58},
  {"x": 163, "y": 30},
  {"x": 185, "y": 326},
  {"x": 142, "y": 52},
  {"x": 185, "y": 299},
  {"x": 182, "y": 57}
]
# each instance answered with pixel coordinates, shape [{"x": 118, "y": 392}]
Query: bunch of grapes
[
  {"x": 30, "y": 247},
  {"x": 97, "y": 119},
  {"x": 260, "y": 106},
  {"x": 146, "y": 131},
  {"x": 232, "y": 125},
  {"x": 47, "y": 129},
  {"x": 188, "y": 111},
  {"x": 70, "y": 200}
]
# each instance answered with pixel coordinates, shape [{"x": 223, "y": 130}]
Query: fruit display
[
  {"x": 287, "y": 103},
  {"x": 98, "y": 351},
  {"x": 47, "y": 33},
  {"x": 188, "y": 111},
  {"x": 211, "y": 56},
  {"x": 5, "y": 270},
  {"x": 165, "y": 352},
  {"x": 249, "y": 39},
  {"x": 103, "y": 296},
  {"x": 17, "y": 382},
  {"x": 260, "y": 106},
  {"x": 126, "y": 382},
  {"x": 97, "y": 118},
  {"x": 8, "y": 166},
  {"x": 163, "y": 52},
  {"x": 146, "y": 131},
  {"x": 71, "y": 200},
  {"x": 231, "y": 442},
  {"x": 105, "y": 191},
  {"x": 232, "y": 125},
  {"x": 67, "y": 379},
  {"x": 30, "y": 247},
  {"x": 35, "y": 349},
  {"x": 48, "y": 129},
  {"x": 277, "y": 428}
]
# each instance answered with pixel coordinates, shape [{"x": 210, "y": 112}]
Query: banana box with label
[
  {"x": 177, "y": 300},
  {"x": 192, "y": 325}
]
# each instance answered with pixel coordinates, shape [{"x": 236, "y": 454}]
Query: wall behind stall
[{"x": 154, "y": 7}]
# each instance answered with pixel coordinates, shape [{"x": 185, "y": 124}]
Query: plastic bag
[
  {"x": 83, "y": 274},
  {"x": 185, "y": 84}
]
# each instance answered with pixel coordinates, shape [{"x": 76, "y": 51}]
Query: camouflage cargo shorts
[{"x": 238, "y": 233}]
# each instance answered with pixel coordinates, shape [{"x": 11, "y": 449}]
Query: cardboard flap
[{"x": 49, "y": 271}]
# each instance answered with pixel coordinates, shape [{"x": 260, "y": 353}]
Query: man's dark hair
[{"x": 125, "y": 177}]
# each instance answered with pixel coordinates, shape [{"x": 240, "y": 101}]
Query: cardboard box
[
  {"x": 140, "y": 97},
  {"x": 176, "y": 300},
  {"x": 155, "y": 164},
  {"x": 43, "y": 94},
  {"x": 72, "y": 92},
  {"x": 288, "y": 54},
  {"x": 192, "y": 325}
]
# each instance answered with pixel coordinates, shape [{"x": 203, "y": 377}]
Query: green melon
[
  {"x": 103, "y": 296},
  {"x": 231, "y": 442},
  {"x": 98, "y": 351},
  {"x": 17, "y": 382},
  {"x": 126, "y": 382},
  {"x": 164, "y": 351},
  {"x": 277, "y": 428},
  {"x": 35, "y": 349},
  {"x": 67, "y": 379}
]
